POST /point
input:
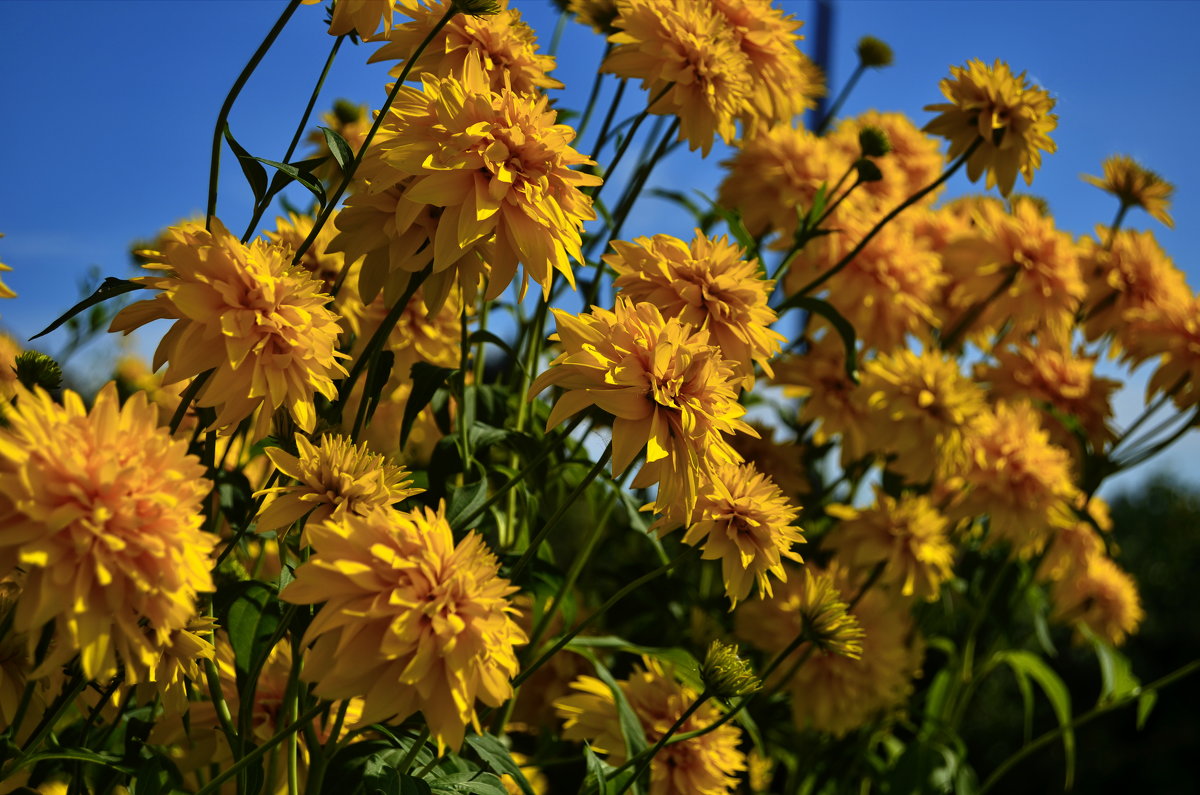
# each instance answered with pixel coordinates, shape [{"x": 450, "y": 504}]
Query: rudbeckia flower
[{"x": 1136, "y": 186}]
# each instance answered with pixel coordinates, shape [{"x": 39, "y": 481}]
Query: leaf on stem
[
  {"x": 1056, "y": 693},
  {"x": 498, "y": 759},
  {"x": 110, "y": 288},
  {"x": 341, "y": 150},
  {"x": 256, "y": 175},
  {"x": 426, "y": 380}
]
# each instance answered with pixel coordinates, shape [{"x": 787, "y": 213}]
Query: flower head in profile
[
  {"x": 1101, "y": 597},
  {"x": 668, "y": 387},
  {"x": 1172, "y": 336},
  {"x": 408, "y": 620},
  {"x": 362, "y": 17},
  {"x": 909, "y": 536},
  {"x": 726, "y": 674},
  {"x": 596, "y": 14},
  {"x": 708, "y": 285},
  {"x": 246, "y": 313},
  {"x": 504, "y": 43},
  {"x": 1016, "y": 476},
  {"x": 704, "y": 765},
  {"x": 1132, "y": 276},
  {"x": 101, "y": 511},
  {"x": 336, "y": 476},
  {"x": 810, "y": 602},
  {"x": 743, "y": 520},
  {"x": 1136, "y": 186},
  {"x": 690, "y": 61},
  {"x": 1009, "y": 117}
]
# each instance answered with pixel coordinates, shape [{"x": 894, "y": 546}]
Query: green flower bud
[
  {"x": 38, "y": 369},
  {"x": 346, "y": 111},
  {"x": 874, "y": 142},
  {"x": 868, "y": 171},
  {"x": 874, "y": 53},
  {"x": 725, "y": 674}
]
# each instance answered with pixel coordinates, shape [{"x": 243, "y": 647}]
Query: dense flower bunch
[{"x": 373, "y": 518}]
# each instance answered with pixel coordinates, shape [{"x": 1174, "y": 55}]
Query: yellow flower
[
  {"x": 1172, "y": 334},
  {"x": 690, "y": 54},
  {"x": 832, "y": 691},
  {"x": 831, "y": 401},
  {"x": 338, "y": 476},
  {"x": 506, "y": 46},
  {"x": 745, "y": 522},
  {"x": 920, "y": 408},
  {"x": 784, "y": 83},
  {"x": 886, "y": 291},
  {"x": 178, "y": 665},
  {"x": 1048, "y": 373},
  {"x": 5, "y": 290},
  {"x": 809, "y": 603},
  {"x": 409, "y": 621},
  {"x": 782, "y": 462},
  {"x": 914, "y": 162},
  {"x": 1136, "y": 186},
  {"x": 707, "y": 285},
  {"x": 362, "y": 16},
  {"x": 1134, "y": 274},
  {"x": 1010, "y": 118},
  {"x": 1016, "y": 477},
  {"x": 596, "y": 14},
  {"x": 323, "y": 264},
  {"x": 1102, "y": 597},
  {"x": 777, "y": 172},
  {"x": 101, "y": 510},
  {"x": 498, "y": 172},
  {"x": 669, "y": 389},
  {"x": 908, "y": 535},
  {"x": 244, "y": 312},
  {"x": 1075, "y": 539},
  {"x": 16, "y": 662},
  {"x": 704, "y": 765},
  {"x": 10, "y": 349}
]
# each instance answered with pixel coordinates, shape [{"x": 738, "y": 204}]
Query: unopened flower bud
[
  {"x": 477, "y": 8},
  {"x": 874, "y": 142},
  {"x": 867, "y": 170},
  {"x": 347, "y": 112},
  {"x": 874, "y": 53},
  {"x": 725, "y": 674},
  {"x": 38, "y": 369}
]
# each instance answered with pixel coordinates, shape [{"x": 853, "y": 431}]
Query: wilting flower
[
  {"x": 707, "y": 285},
  {"x": 668, "y": 387},
  {"x": 704, "y": 765},
  {"x": 101, "y": 511},
  {"x": 1009, "y": 117},
  {"x": 909, "y": 536},
  {"x": 336, "y": 476},
  {"x": 1102, "y": 597},
  {"x": 505, "y": 45},
  {"x": 783, "y": 82},
  {"x": 1136, "y": 186},
  {"x": 688, "y": 53},
  {"x": 776, "y": 173},
  {"x": 921, "y": 407},
  {"x": 244, "y": 312},
  {"x": 1016, "y": 476},
  {"x": 744, "y": 521},
  {"x": 409, "y": 621}
]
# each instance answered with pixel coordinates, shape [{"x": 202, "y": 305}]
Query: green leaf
[
  {"x": 842, "y": 326},
  {"x": 341, "y": 150},
  {"x": 1056, "y": 693},
  {"x": 109, "y": 288},
  {"x": 250, "y": 620},
  {"x": 426, "y": 380},
  {"x": 631, "y": 726},
  {"x": 470, "y": 781},
  {"x": 465, "y": 501},
  {"x": 256, "y": 175},
  {"x": 596, "y": 780},
  {"x": 378, "y": 374},
  {"x": 303, "y": 177},
  {"x": 1116, "y": 674},
  {"x": 498, "y": 759},
  {"x": 733, "y": 220},
  {"x": 1145, "y": 704},
  {"x": 483, "y": 335}
]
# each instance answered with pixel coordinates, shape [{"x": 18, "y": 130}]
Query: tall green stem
[{"x": 658, "y": 746}]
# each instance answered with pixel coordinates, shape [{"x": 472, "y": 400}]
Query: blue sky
[{"x": 110, "y": 108}]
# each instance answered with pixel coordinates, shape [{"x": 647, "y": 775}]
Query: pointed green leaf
[
  {"x": 426, "y": 380},
  {"x": 109, "y": 288},
  {"x": 498, "y": 759},
  {"x": 842, "y": 326},
  {"x": 256, "y": 175},
  {"x": 341, "y": 150}
]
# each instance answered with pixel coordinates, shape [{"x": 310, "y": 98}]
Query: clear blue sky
[{"x": 109, "y": 109}]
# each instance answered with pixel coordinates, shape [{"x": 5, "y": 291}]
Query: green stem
[
  {"x": 658, "y": 746},
  {"x": 257, "y": 753},
  {"x": 261, "y": 207},
  {"x": 1087, "y": 717},
  {"x": 1116, "y": 225},
  {"x": 637, "y": 122},
  {"x": 591, "y": 101},
  {"x": 1147, "y": 452},
  {"x": 909, "y": 202},
  {"x": 556, "y": 37},
  {"x": 185, "y": 400},
  {"x": 954, "y": 336},
  {"x": 602, "y": 136},
  {"x": 414, "y": 751},
  {"x": 348, "y": 174},
  {"x": 223, "y": 116},
  {"x": 842, "y": 96}
]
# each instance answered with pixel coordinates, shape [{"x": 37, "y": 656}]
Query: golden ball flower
[
  {"x": 1007, "y": 115},
  {"x": 325, "y": 265},
  {"x": 244, "y": 312},
  {"x": 101, "y": 511},
  {"x": 688, "y": 53},
  {"x": 669, "y": 389},
  {"x": 408, "y": 620},
  {"x": 1101, "y": 597},
  {"x": 1136, "y": 186},
  {"x": 708, "y": 285},
  {"x": 337, "y": 475},
  {"x": 1172, "y": 336},
  {"x": 908, "y": 535},
  {"x": 1133, "y": 274},
  {"x": 704, "y": 765},
  {"x": 1076, "y": 539},
  {"x": 504, "y": 43},
  {"x": 743, "y": 520},
  {"x": 1016, "y": 477},
  {"x": 809, "y": 603}
]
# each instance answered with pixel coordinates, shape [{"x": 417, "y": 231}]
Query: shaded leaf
[
  {"x": 842, "y": 326},
  {"x": 426, "y": 380},
  {"x": 1056, "y": 693},
  {"x": 303, "y": 177},
  {"x": 256, "y": 175},
  {"x": 109, "y": 288},
  {"x": 498, "y": 759},
  {"x": 250, "y": 620},
  {"x": 341, "y": 150},
  {"x": 465, "y": 501}
]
